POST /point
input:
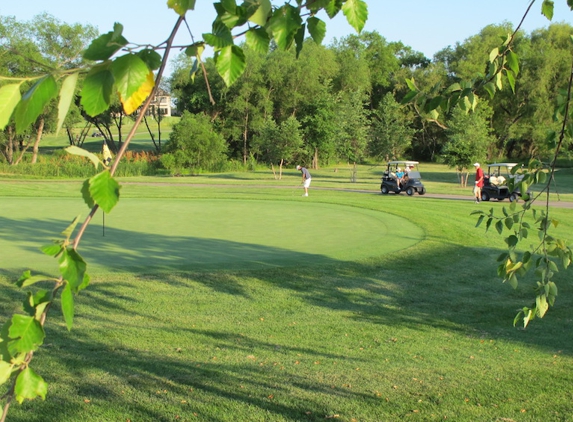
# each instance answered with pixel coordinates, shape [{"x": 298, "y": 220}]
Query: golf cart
[
  {"x": 409, "y": 182},
  {"x": 494, "y": 182}
]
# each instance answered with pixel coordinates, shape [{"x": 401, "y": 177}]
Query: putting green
[{"x": 147, "y": 234}]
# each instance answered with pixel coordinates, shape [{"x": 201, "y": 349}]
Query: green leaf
[
  {"x": 67, "y": 301},
  {"x": 52, "y": 250},
  {"x": 258, "y": 40},
  {"x": 452, "y": 88},
  {"x": 151, "y": 58},
  {"x": 409, "y": 97},
  {"x": 498, "y": 81},
  {"x": 513, "y": 62},
  {"x": 106, "y": 45},
  {"x": 356, "y": 12},
  {"x": 97, "y": 90},
  {"x": 9, "y": 99},
  {"x": 552, "y": 288},
  {"x": 511, "y": 80},
  {"x": 181, "y": 6},
  {"x": 411, "y": 84},
  {"x": 66, "y": 97},
  {"x": 5, "y": 371},
  {"x": 34, "y": 101},
  {"x": 72, "y": 268},
  {"x": 512, "y": 280},
  {"x": 85, "y": 282},
  {"x": 67, "y": 233},
  {"x": 316, "y": 29},
  {"x": 547, "y": 9},
  {"x": 195, "y": 50},
  {"x": 87, "y": 195},
  {"x": 284, "y": 25},
  {"x": 229, "y": 5},
  {"x": 230, "y": 63},
  {"x": 262, "y": 10},
  {"x": 541, "y": 305},
  {"x": 39, "y": 301},
  {"x": 509, "y": 222},
  {"x": 229, "y": 14},
  {"x": 299, "y": 39},
  {"x": 104, "y": 190},
  {"x": 29, "y": 385},
  {"x": 512, "y": 241},
  {"x": 499, "y": 226},
  {"x": 220, "y": 37},
  {"x": 480, "y": 220},
  {"x": 493, "y": 54},
  {"x": 490, "y": 88},
  {"x": 26, "y": 333},
  {"x": 194, "y": 70},
  {"x": 129, "y": 72},
  {"x": 332, "y": 8},
  {"x": 74, "y": 150},
  {"x": 27, "y": 279},
  {"x": 434, "y": 103},
  {"x": 488, "y": 223}
]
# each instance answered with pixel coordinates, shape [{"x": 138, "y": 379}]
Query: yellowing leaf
[{"x": 138, "y": 97}]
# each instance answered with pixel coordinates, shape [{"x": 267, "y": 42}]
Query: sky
[{"x": 427, "y": 26}]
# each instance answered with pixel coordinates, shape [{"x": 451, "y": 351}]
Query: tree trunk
[
  {"x": 281, "y": 169},
  {"x": 23, "y": 149},
  {"x": 37, "y": 142},
  {"x": 245, "y": 135},
  {"x": 273, "y": 169},
  {"x": 315, "y": 159},
  {"x": 8, "y": 150}
]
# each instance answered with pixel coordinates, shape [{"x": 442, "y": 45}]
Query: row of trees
[
  {"x": 331, "y": 103},
  {"x": 343, "y": 101}
]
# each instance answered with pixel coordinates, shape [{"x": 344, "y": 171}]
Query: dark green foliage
[{"x": 194, "y": 143}]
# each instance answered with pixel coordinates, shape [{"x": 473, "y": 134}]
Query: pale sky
[{"x": 425, "y": 25}]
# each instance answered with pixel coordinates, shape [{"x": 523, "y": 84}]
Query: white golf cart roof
[
  {"x": 502, "y": 165},
  {"x": 407, "y": 163}
]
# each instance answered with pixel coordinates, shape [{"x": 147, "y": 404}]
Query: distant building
[{"x": 161, "y": 104}]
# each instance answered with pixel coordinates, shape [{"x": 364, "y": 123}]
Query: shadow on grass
[{"x": 423, "y": 288}]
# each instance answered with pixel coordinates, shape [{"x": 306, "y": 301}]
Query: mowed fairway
[
  {"x": 185, "y": 234},
  {"x": 226, "y": 304}
]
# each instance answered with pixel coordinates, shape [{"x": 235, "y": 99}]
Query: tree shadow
[{"x": 423, "y": 288}]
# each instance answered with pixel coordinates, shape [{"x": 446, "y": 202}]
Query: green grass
[
  {"x": 423, "y": 333},
  {"x": 190, "y": 234}
]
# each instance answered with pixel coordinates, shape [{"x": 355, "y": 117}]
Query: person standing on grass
[
  {"x": 305, "y": 179},
  {"x": 479, "y": 182}
]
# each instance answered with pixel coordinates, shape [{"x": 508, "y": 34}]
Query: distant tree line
[{"x": 344, "y": 102}]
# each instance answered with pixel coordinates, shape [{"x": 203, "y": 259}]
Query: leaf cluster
[
  {"x": 524, "y": 223},
  {"x": 24, "y": 333}
]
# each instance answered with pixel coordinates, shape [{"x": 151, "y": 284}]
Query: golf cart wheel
[
  {"x": 422, "y": 191},
  {"x": 485, "y": 196},
  {"x": 410, "y": 191},
  {"x": 384, "y": 190},
  {"x": 513, "y": 197}
]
